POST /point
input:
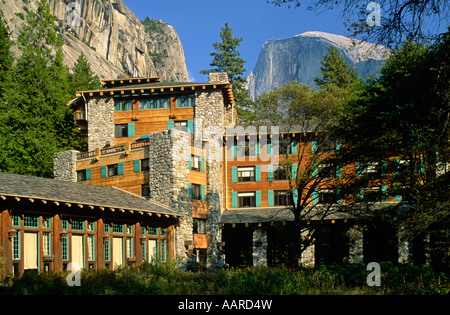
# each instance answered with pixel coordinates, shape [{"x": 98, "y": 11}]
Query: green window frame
[
  {"x": 153, "y": 231},
  {"x": 108, "y": 250},
  {"x": 16, "y": 246},
  {"x": 47, "y": 243},
  {"x": 78, "y": 225},
  {"x": 91, "y": 247},
  {"x": 16, "y": 220},
  {"x": 65, "y": 248},
  {"x": 185, "y": 101},
  {"x": 118, "y": 228},
  {"x": 123, "y": 105},
  {"x": 129, "y": 242},
  {"x": 31, "y": 221}
]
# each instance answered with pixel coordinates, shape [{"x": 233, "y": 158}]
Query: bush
[{"x": 166, "y": 279}]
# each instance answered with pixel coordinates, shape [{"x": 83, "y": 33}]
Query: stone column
[
  {"x": 404, "y": 246},
  {"x": 169, "y": 182},
  {"x": 259, "y": 248},
  {"x": 307, "y": 258},
  {"x": 65, "y": 165},
  {"x": 356, "y": 244},
  {"x": 100, "y": 118}
]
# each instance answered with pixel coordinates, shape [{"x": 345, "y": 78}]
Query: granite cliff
[
  {"x": 298, "y": 58},
  {"x": 114, "y": 40}
]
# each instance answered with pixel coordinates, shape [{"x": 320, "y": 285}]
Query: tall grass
[{"x": 166, "y": 279}]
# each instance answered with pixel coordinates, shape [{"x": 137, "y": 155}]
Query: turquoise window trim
[
  {"x": 16, "y": 246},
  {"x": 295, "y": 196},
  {"x": 234, "y": 199},
  {"x": 131, "y": 130},
  {"x": 203, "y": 192},
  {"x": 31, "y": 221},
  {"x": 103, "y": 171},
  {"x": 65, "y": 248},
  {"x": 190, "y": 125},
  {"x": 170, "y": 124},
  {"x": 258, "y": 198},
  {"x": 16, "y": 220},
  {"x": 120, "y": 170},
  {"x": 294, "y": 171},
  {"x": 203, "y": 164},
  {"x": 294, "y": 146},
  {"x": 270, "y": 198},
  {"x": 257, "y": 173},
  {"x": 315, "y": 196},
  {"x": 270, "y": 172},
  {"x": 234, "y": 174},
  {"x": 137, "y": 166}
]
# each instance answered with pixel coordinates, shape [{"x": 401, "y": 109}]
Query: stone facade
[
  {"x": 169, "y": 182},
  {"x": 356, "y": 249},
  {"x": 65, "y": 166},
  {"x": 259, "y": 248},
  {"x": 100, "y": 118}
]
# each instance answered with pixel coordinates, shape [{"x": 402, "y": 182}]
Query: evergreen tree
[
  {"x": 228, "y": 59},
  {"x": 6, "y": 56},
  {"x": 37, "y": 122},
  {"x": 336, "y": 70},
  {"x": 82, "y": 77}
]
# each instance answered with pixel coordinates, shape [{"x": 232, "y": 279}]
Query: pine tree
[
  {"x": 6, "y": 56},
  {"x": 37, "y": 123},
  {"x": 82, "y": 77},
  {"x": 226, "y": 58},
  {"x": 336, "y": 70}
]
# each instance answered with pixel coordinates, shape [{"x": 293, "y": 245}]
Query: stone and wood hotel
[{"x": 162, "y": 180}]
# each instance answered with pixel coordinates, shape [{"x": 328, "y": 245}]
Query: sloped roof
[{"x": 22, "y": 186}]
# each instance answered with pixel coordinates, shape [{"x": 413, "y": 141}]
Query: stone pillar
[
  {"x": 65, "y": 165},
  {"x": 356, "y": 244},
  {"x": 218, "y": 77},
  {"x": 100, "y": 118},
  {"x": 307, "y": 258},
  {"x": 404, "y": 246},
  {"x": 259, "y": 248}
]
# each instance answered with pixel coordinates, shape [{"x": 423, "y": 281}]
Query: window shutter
[
  {"x": 294, "y": 171},
  {"x": 338, "y": 146},
  {"x": 137, "y": 165},
  {"x": 234, "y": 174},
  {"x": 295, "y": 196},
  {"x": 396, "y": 167},
  {"x": 190, "y": 162},
  {"x": 203, "y": 192},
  {"x": 384, "y": 167},
  {"x": 103, "y": 171},
  {"x": 270, "y": 198},
  {"x": 358, "y": 169},
  {"x": 314, "y": 146},
  {"x": 315, "y": 196},
  {"x": 131, "y": 130},
  {"x": 339, "y": 171},
  {"x": 234, "y": 199},
  {"x": 258, "y": 149},
  {"x": 203, "y": 164},
  {"x": 338, "y": 195},
  {"x": 270, "y": 172},
  {"x": 234, "y": 150},
  {"x": 258, "y": 198},
  {"x": 257, "y": 173},
  {"x": 294, "y": 146},
  {"x": 269, "y": 147},
  {"x": 120, "y": 168},
  {"x": 88, "y": 174},
  {"x": 384, "y": 193},
  {"x": 170, "y": 124},
  {"x": 190, "y": 191},
  {"x": 190, "y": 124}
]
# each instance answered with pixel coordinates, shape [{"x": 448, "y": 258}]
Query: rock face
[
  {"x": 114, "y": 40},
  {"x": 298, "y": 58}
]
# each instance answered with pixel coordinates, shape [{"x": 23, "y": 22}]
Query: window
[
  {"x": 196, "y": 191},
  {"x": 46, "y": 223},
  {"x": 145, "y": 191},
  {"x": 282, "y": 198},
  {"x": 196, "y": 163},
  {"x": 145, "y": 164},
  {"x": 199, "y": 226},
  {"x": 113, "y": 170},
  {"x": 123, "y": 105},
  {"x": 118, "y": 228},
  {"x": 374, "y": 194},
  {"x": 121, "y": 131},
  {"x": 280, "y": 173},
  {"x": 327, "y": 196},
  {"x": 91, "y": 247},
  {"x": 81, "y": 176},
  {"x": 129, "y": 241},
  {"x": 46, "y": 243},
  {"x": 155, "y": 103},
  {"x": 16, "y": 246},
  {"x": 30, "y": 221},
  {"x": 246, "y": 199},
  {"x": 153, "y": 231},
  {"x": 246, "y": 174},
  {"x": 181, "y": 125},
  {"x": 186, "y": 101},
  {"x": 15, "y": 220},
  {"x": 77, "y": 225}
]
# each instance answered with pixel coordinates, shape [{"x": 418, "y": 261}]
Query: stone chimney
[{"x": 218, "y": 77}]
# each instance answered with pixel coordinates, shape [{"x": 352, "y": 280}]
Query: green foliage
[
  {"x": 336, "y": 70},
  {"x": 227, "y": 58},
  {"x": 167, "y": 280},
  {"x": 6, "y": 56},
  {"x": 34, "y": 120},
  {"x": 82, "y": 77}
]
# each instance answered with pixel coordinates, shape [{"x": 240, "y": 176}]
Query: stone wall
[
  {"x": 169, "y": 182},
  {"x": 65, "y": 166},
  {"x": 356, "y": 244},
  {"x": 259, "y": 248},
  {"x": 100, "y": 118}
]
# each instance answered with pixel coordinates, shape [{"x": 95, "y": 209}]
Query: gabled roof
[{"x": 69, "y": 193}]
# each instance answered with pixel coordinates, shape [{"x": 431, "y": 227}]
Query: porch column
[
  {"x": 259, "y": 248},
  {"x": 356, "y": 244}
]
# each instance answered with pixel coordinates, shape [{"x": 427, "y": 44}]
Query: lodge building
[{"x": 163, "y": 179}]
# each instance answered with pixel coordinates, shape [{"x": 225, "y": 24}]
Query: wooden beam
[
  {"x": 68, "y": 204},
  {"x": 44, "y": 201},
  {"x": 3, "y": 197},
  {"x": 56, "y": 203},
  {"x": 31, "y": 199}
]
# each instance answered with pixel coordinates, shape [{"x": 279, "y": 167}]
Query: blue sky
[{"x": 198, "y": 24}]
